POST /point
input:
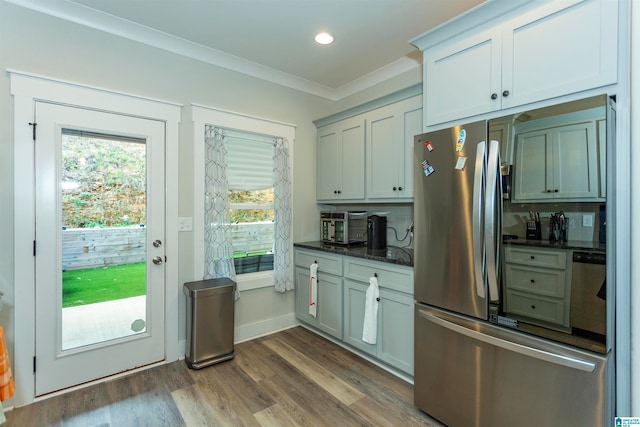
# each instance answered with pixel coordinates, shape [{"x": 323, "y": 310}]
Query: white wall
[
  {"x": 635, "y": 208},
  {"x": 38, "y": 44}
]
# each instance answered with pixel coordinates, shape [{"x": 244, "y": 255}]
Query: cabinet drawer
[
  {"x": 391, "y": 277},
  {"x": 327, "y": 263},
  {"x": 536, "y": 280},
  {"x": 537, "y": 257},
  {"x": 533, "y": 307}
]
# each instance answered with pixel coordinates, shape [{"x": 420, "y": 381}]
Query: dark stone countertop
[
  {"x": 571, "y": 244},
  {"x": 392, "y": 255}
]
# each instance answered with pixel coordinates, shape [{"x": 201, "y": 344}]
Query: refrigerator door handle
[
  {"x": 478, "y": 247},
  {"x": 558, "y": 359},
  {"x": 493, "y": 224}
]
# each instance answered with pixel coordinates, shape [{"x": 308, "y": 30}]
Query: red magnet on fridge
[{"x": 428, "y": 144}]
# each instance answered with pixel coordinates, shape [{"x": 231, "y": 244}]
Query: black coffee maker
[{"x": 377, "y": 232}]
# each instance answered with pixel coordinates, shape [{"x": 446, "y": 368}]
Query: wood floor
[{"x": 292, "y": 378}]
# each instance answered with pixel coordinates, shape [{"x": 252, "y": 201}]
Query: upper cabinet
[
  {"x": 366, "y": 153},
  {"x": 557, "y": 163},
  {"x": 389, "y": 146},
  {"x": 556, "y": 49},
  {"x": 340, "y": 161},
  {"x": 560, "y": 152}
]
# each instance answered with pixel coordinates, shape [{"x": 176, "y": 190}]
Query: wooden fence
[{"x": 102, "y": 247}]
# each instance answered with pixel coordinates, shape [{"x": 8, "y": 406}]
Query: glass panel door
[
  {"x": 99, "y": 252},
  {"x": 103, "y": 188}
]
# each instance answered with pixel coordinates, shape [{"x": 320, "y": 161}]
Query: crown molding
[{"x": 101, "y": 21}]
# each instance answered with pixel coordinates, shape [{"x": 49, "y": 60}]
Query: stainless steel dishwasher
[{"x": 588, "y": 292}]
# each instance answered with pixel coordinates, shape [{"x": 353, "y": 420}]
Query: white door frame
[{"x": 26, "y": 89}]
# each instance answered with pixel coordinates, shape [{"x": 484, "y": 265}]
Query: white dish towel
[
  {"x": 313, "y": 289},
  {"x": 370, "y": 327}
]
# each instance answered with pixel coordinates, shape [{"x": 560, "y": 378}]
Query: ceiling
[{"x": 273, "y": 39}]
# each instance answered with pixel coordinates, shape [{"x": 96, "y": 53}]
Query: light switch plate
[
  {"x": 587, "y": 220},
  {"x": 185, "y": 224}
]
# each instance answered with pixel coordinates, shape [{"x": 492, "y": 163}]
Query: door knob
[
  {"x": 157, "y": 260},
  {"x": 157, "y": 243}
]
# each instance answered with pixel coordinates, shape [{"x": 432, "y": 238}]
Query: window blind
[{"x": 249, "y": 161}]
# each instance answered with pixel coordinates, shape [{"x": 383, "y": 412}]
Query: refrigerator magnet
[
  {"x": 460, "y": 163},
  {"x": 462, "y": 136},
  {"x": 429, "y": 146},
  {"x": 427, "y": 168}
]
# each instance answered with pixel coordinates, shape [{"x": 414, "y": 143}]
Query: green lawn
[{"x": 101, "y": 284}]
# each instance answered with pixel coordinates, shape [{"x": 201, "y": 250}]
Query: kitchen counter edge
[
  {"x": 391, "y": 255},
  {"x": 576, "y": 245}
]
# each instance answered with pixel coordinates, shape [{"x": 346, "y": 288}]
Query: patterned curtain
[
  {"x": 282, "y": 271},
  {"x": 218, "y": 259}
]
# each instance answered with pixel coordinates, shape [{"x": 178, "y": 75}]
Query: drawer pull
[
  {"x": 533, "y": 257},
  {"x": 533, "y": 281},
  {"x": 533, "y": 306},
  {"x": 378, "y": 299}
]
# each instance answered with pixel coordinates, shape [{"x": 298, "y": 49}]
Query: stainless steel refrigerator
[{"x": 476, "y": 365}]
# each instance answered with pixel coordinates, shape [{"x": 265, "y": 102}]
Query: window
[
  {"x": 250, "y": 179},
  {"x": 213, "y": 254}
]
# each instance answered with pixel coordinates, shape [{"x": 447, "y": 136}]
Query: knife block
[{"x": 534, "y": 231}]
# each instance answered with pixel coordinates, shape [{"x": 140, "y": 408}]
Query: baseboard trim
[{"x": 266, "y": 327}]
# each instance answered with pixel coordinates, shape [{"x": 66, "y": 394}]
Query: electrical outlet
[
  {"x": 587, "y": 220},
  {"x": 185, "y": 224}
]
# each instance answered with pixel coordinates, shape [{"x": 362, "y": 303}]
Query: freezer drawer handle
[{"x": 511, "y": 346}]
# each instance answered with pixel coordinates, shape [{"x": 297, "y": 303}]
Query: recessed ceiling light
[{"x": 324, "y": 38}]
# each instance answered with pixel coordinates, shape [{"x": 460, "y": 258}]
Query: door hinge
[
  {"x": 34, "y": 364},
  {"x": 33, "y": 126}
]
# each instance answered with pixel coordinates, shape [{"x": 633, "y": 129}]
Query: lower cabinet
[
  {"x": 538, "y": 285},
  {"x": 394, "y": 344},
  {"x": 329, "y": 299},
  {"x": 342, "y": 285}
]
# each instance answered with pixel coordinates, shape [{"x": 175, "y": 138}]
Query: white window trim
[
  {"x": 26, "y": 88},
  {"x": 202, "y": 116}
]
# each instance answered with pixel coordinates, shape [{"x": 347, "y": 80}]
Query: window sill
[{"x": 249, "y": 281}]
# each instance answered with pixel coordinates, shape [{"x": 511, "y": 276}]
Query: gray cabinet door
[
  {"x": 395, "y": 330},
  {"x": 330, "y": 304},
  {"x": 354, "y": 304}
]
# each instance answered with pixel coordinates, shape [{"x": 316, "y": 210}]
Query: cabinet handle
[
  {"x": 399, "y": 188},
  {"x": 335, "y": 191},
  {"x": 547, "y": 191},
  {"x": 556, "y": 190},
  {"x": 394, "y": 188},
  {"x": 533, "y": 257},
  {"x": 494, "y": 96},
  {"x": 505, "y": 93},
  {"x": 378, "y": 299},
  {"x": 533, "y": 281},
  {"x": 533, "y": 306},
  {"x": 339, "y": 191}
]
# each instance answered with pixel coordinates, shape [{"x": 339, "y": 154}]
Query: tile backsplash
[
  {"x": 399, "y": 217},
  {"x": 578, "y": 215}
]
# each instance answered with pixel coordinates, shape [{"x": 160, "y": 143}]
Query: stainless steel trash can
[{"x": 210, "y": 311}]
